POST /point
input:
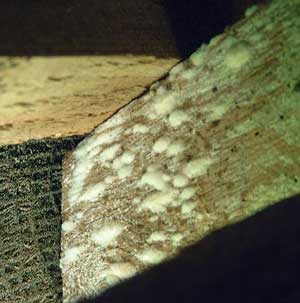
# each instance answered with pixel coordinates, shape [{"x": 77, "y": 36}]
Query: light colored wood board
[
  {"x": 62, "y": 96},
  {"x": 211, "y": 144}
]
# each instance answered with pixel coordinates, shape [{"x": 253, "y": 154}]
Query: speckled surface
[{"x": 238, "y": 150}]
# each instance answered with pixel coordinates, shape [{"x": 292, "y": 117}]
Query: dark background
[{"x": 74, "y": 27}]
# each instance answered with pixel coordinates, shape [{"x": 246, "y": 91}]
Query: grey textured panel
[{"x": 30, "y": 217}]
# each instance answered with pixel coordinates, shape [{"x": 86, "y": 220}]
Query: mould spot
[
  {"x": 107, "y": 234},
  {"x": 151, "y": 256},
  {"x": 71, "y": 254},
  {"x": 238, "y": 55}
]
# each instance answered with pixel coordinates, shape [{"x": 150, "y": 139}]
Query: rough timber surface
[
  {"x": 30, "y": 218},
  {"x": 211, "y": 144}
]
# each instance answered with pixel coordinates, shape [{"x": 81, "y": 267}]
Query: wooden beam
[{"x": 211, "y": 144}]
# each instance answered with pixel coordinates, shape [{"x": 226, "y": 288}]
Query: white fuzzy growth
[
  {"x": 161, "y": 144},
  {"x": 140, "y": 128},
  {"x": 177, "y": 69},
  {"x": 216, "y": 111},
  {"x": 154, "y": 179},
  {"x": 187, "y": 207},
  {"x": 151, "y": 256},
  {"x": 197, "y": 57},
  {"x": 176, "y": 148},
  {"x": 189, "y": 74},
  {"x": 117, "y": 163},
  {"x": 96, "y": 141},
  {"x": 93, "y": 192},
  {"x": 79, "y": 215},
  {"x": 197, "y": 167},
  {"x": 251, "y": 10},
  {"x": 136, "y": 200},
  {"x": 178, "y": 117},
  {"x": 110, "y": 179},
  {"x": 153, "y": 167},
  {"x": 127, "y": 157},
  {"x": 125, "y": 171},
  {"x": 68, "y": 226},
  {"x": 114, "y": 121},
  {"x": 107, "y": 234},
  {"x": 164, "y": 105},
  {"x": 157, "y": 202},
  {"x": 71, "y": 254},
  {"x": 161, "y": 90},
  {"x": 109, "y": 153},
  {"x": 176, "y": 238},
  {"x": 237, "y": 56},
  {"x": 157, "y": 236},
  {"x": 111, "y": 280},
  {"x": 80, "y": 173},
  {"x": 180, "y": 181},
  {"x": 187, "y": 193},
  {"x": 123, "y": 270}
]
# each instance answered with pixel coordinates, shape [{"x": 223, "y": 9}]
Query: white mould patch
[
  {"x": 96, "y": 141},
  {"x": 127, "y": 157},
  {"x": 177, "y": 69},
  {"x": 109, "y": 153},
  {"x": 68, "y": 226},
  {"x": 114, "y": 121},
  {"x": 93, "y": 192},
  {"x": 112, "y": 280},
  {"x": 251, "y": 10},
  {"x": 71, "y": 254},
  {"x": 109, "y": 179},
  {"x": 176, "y": 148},
  {"x": 123, "y": 270},
  {"x": 197, "y": 58},
  {"x": 189, "y": 74},
  {"x": 197, "y": 167},
  {"x": 216, "y": 111},
  {"x": 140, "y": 128},
  {"x": 237, "y": 55},
  {"x": 165, "y": 104},
  {"x": 187, "y": 193},
  {"x": 157, "y": 202},
  {"x": 80, "y": 173},
  {"x": 180, "y": 181},
  {"x": 178, "y": 117},
  {"x": 187, "y": 207},
  {"x": 122, "y": 164},
  {"x": 154, "y": 179},
  {"x": 107, "y": 234},
  {"x": 157, "y": 236},
  {"x": 125, "y": 171},
  {"x": 161, "y": 144},
  {"x": 151, "y": 256},
  {"x": 176, "y": 238},
  {"x": 79, "y": 215}
]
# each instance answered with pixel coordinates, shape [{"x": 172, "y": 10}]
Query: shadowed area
[
  {"x": 256, "y": 260},
  {"x": 30, "y": 219},
  {"x": 93, "y": 27}
]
